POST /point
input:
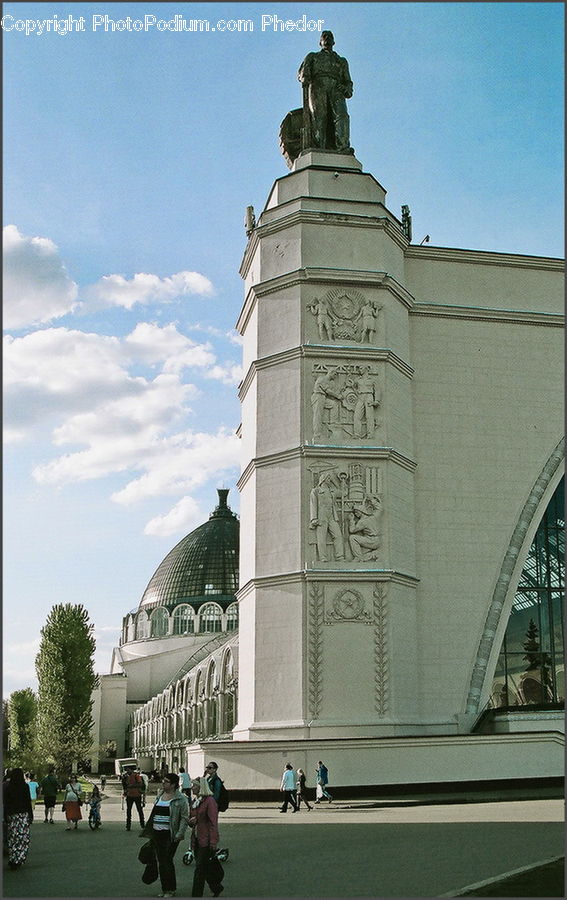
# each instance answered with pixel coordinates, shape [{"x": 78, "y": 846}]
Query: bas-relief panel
[
  {"x": 346, "y": 400},
  {"x": 345, "y": 513},
  {"x": 345, "y": 315}
]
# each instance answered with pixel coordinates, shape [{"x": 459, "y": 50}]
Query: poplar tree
[
  {"x": 66, "y": 679},
  {"x": 21, "y": 714}
]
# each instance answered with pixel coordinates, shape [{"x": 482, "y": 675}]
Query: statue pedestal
[{"x": 328, "y": 159}]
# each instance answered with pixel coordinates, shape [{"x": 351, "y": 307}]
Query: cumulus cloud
[
  {"x": 184, "y": 516},
  {"x": 144, "y": 288},
  {"x": 37, "y": 287},
  {"x": 154, "y": 344}
]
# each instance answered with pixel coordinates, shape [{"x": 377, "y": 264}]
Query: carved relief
[
  {"x": 345, "y": 316},
  {"x": 345, "y": 513},
  {"x": 348, "y": 605},
  {"x": 345, "y": 401},
  {"x": 381, "y": 662},
  {"x": 315, "y": 649}
]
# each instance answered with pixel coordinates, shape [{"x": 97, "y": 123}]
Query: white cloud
[
  {"x": 154, "y": 344},
  {"x": 36, "y": 286},
  {"x": 184, "y": 516},
  {"x": 116, "y": 290},
  {"x": 231, "y": 373}
]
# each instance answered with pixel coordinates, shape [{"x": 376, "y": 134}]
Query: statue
[
  {"x": 324, "y": 519},
  {"x": 364, "y": 530},
  {"x": 325, "y": 395},
  {"x": 326, "y": 85}
]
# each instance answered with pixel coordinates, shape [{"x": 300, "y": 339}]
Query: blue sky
[{"x": 130, "y": 157}]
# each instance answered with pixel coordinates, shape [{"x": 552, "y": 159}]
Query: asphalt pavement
[{"x": 340, "y": 849}]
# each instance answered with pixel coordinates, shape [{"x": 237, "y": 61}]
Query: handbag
[{"x": 215, "y": 871}]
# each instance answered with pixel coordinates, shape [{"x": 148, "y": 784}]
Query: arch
[
  {"x": 210, "y": 618},
  {"x": 183, "y": 619},
  {"x": 159, "y": 622},
  {"x": 232, "y": 617},
  {"x": 516, "y": 554},
  {"x": 142, "y": 625}
]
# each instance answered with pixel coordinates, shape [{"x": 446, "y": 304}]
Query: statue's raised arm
[{"x": 326, "y": 84}]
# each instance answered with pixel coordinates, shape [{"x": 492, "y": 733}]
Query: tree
[
  {"x": 66, "y": 677},
  {"x": 21, "y": 715}
]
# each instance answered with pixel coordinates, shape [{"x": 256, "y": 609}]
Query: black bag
[
  {"x": 147, "y": 856},
  {"x": 215, "y": 872},
  {"x": 224, "y": 799}
]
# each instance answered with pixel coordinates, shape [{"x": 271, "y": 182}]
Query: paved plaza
[{"x": 343, "y": 849}]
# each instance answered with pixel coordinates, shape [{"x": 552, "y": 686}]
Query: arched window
[
  {"x": 159, "y": 622},
  {"x": 183, "y": 621},
  {"x": 229, "y": 693},
  {"x": 232, "y": 617},
  {"x": 529, "y": 671},
  {"x": 142, "y": 625},
  {"x": 210, "y": 617}
]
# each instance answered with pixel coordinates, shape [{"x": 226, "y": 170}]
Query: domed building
[{"x": 187, "y": 616}]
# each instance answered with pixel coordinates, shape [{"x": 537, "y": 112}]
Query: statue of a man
[{"x": 326, "y": 83}]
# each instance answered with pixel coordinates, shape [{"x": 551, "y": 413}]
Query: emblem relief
[{"x": 345, "y": 316}]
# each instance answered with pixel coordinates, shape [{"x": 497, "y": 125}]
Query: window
[
  {"x": 183, "y": 622},
  {"x": 232, "y": 617},
  {"x": 142, "y": 625},
  {"x": 530, "y": 667},
  {"x": 159, "y": 622},
  {"x": 211, "y": 617}
]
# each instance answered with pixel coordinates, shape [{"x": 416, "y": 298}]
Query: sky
[{"x": 130, "y": 156}]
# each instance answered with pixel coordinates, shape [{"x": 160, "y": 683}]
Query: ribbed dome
[{"x": 202, "y": 566}]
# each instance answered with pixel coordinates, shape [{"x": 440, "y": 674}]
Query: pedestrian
[
  {"x": 94, "y": 804},
  {"x": 146, "y": 781},
  {"x": 133, "y": 790},
  {"x": 73, "y": 802},
  {"x": 288, "y": 787},
  {"x": 165, "y": 828},
  {"x": 102, "y": 782},
  {"x": 212, "y": 776},
  {"x": 204, "y": 839},
  {"x": 301, "y": 790},
  {"x": 49, "y": 788},
  {"x": 322, "y": 775},
  {"x": 185, "y": 782},
  {"x": 33, "y": 788},
  {"x": 18, "y": 814}
]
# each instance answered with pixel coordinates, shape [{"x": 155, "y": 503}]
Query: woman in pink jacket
[{"x": 204, "y": 840}]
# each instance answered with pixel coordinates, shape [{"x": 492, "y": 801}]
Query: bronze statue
[{"x": 326, "y": 84}]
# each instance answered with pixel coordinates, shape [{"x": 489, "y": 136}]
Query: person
[
  {"x": 364, "y": 530},
  {"x": 185, "y": 781},
  {"x": 323, "y": 518},
  {"x": 326, "y": 84},
  {"x": 301, "y": 790},
  {"x": 322, "y": 775},
  {"x": 33, "y": 788},
  {"x": 166, "y": 827},
  {"x": 365, "y": 404},
  {"x": 72, "y": 802},
  {"x": 212, "y": 776},
  {"x": 102, "y": 782},
  {"x": 325, "y": 396},
  {"x": 94, "y": 803},
  {"x": 369, "y": 312},
  {"x": 204, "y": 839},
  {"x": 133, "y": 790},
  {"x": 288, "y": 787},
  {"x": 49, "y": 788},
  {"x": 146, "y": 781},
  {"x": 325, "y": 319},
  {"x": 18, "y": 815}
]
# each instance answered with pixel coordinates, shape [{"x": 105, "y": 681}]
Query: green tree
[
  {"x": 66, "y": 677},
  {"x": 21, "y": 715}
]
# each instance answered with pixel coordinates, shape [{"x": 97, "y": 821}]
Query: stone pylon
[{"x": 328, "y": 631}]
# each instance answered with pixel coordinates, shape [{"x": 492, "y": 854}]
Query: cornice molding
[
  {"x": 319, "y": 351},
  {"x": 488, "y": 314},
  {"x": 339, "y": 576},
  {"x": 485, "y": 257},
  {"x": 322, "y": 451},
  {"x": 316, "y": 275}
]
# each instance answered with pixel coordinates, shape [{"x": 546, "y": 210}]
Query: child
[{"x": 94, "y": 804}]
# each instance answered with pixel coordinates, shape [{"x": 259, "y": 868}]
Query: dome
[{"x": 202, "y": 566}]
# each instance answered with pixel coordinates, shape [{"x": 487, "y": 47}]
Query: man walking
[
  {"x": 288, "y": 787},
  {"x": 133, "y": 790},
  {"x": 49, "y": 788},
  {"x": 322, "y": 775},
  {"x": 184, "y": 782}
]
